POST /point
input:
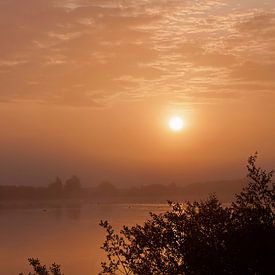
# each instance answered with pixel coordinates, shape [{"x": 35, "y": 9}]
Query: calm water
[{"x": 69, "y": 236}]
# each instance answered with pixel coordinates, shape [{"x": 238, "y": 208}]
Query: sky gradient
[{"x": 87, "y": 88}]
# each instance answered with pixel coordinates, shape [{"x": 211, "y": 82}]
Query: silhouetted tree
[
  {"x": 40, "y": 269},
  {"x": 252, "y": 243},
  {"x": 201, "y": 237},
  {"x": 56, "y": 188},
  {"x": 72, "y": 186}
]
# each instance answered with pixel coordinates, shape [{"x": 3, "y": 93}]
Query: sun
[{"x": 176, "y": 123}]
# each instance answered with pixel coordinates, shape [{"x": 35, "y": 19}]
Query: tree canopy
[{"x": 201, "y": 237}]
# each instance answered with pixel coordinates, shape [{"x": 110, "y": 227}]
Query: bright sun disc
[{"x": 176, "y": 123}]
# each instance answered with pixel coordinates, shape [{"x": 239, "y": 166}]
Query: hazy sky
[{"x": 87, "y": 88}]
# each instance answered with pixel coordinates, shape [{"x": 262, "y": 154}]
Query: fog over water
[{"x": 69, "y": 236}]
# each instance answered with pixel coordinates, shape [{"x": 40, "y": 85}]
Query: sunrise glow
[{"x": 176, "y": 124}]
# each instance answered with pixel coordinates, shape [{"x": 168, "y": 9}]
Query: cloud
[
  {"x": 250, "y": 71},
  {"x": 259, "y": 25},
  {"x": 91, "y": 52}
]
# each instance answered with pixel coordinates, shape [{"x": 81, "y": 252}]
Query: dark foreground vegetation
[{"x": 200, "y": 237}]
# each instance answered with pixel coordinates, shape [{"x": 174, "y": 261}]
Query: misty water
[{"x": 69, "y": 236}]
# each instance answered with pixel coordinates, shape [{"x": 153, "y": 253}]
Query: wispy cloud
[{"x": 85, "y": 52}]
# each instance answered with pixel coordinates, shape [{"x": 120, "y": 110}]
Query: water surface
[{"x": 69, "y": 236}]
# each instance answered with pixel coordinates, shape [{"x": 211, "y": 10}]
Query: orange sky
[{"x": 87, "y": 88}]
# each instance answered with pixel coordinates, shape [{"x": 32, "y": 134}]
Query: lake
[{"x": 69, "y": 236}]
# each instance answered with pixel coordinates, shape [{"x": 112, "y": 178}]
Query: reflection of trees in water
[
  {"x": 106, "y": 208},
  {"x": 71, "y": 212},
  {"x": 74, "y": 213},
  {"x": 58, "y": 213}
]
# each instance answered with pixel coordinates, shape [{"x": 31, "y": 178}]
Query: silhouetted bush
[
  {"x": 201, "y": 237},
  {"x": 40, "y": 269}
]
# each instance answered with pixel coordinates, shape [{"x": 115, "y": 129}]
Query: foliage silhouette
[
  {"x": 201, "y": 237},
  {"x": 40, "y": 269}
]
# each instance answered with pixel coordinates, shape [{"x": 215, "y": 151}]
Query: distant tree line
[
  {"x": 72, "y": 188},
  {"x": 108, "y": 192},
  {"x": 56, "y": 189}
]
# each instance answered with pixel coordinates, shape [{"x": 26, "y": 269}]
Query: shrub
[{"x": 201, "y": 237}]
